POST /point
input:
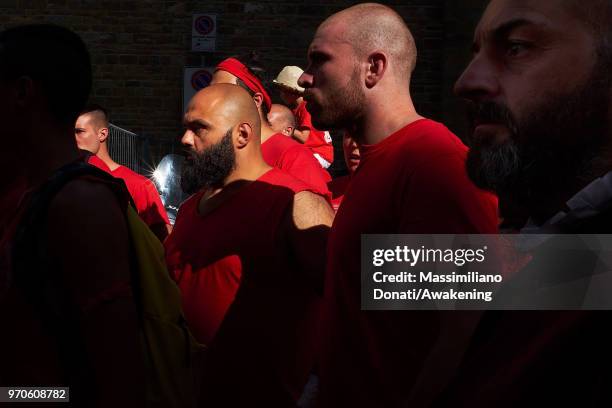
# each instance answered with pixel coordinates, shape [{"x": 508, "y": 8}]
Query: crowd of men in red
[{"x": 268, "y": 271}]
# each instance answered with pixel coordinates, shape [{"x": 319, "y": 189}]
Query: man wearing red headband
[{"x": 278, "y": 150}]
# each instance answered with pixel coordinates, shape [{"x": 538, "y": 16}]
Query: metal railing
[{"x": 129, "y": 149}]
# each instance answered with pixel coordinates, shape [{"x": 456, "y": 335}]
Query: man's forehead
[
  {"x": 500, "y": 13},
  {"x": 195, "y": 111},
  {"x": 84, "y": 119},
  {"x": 329, "y": 35},
  {"x": 206, "y": 109}
]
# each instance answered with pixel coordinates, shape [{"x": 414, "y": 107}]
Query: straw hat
[{"x": 288, "y": 78}]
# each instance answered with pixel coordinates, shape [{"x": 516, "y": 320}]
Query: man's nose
[
  {"x": 305, "y": 80},
  {"x": 187, "y": 139},
  {"x": 478, "y": 81}
]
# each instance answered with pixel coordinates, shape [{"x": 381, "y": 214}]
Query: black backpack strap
[{"x": 33, "y": 276}]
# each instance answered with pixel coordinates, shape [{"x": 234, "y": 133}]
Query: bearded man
[
  {"x": 248, "y": 254},
  {"x": 539, "y": 85}
]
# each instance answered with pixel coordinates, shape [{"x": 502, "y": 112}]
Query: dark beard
[
  {"x": 341, "y": 109},
  {"x": 210, "y": 168},
  {"x": 554, "y": 151}
]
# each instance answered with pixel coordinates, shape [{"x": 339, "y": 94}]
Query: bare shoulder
[{"x": 310, "y": 210}]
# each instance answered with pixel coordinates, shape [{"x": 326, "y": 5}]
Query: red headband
[{"x": 237, "y": 68}]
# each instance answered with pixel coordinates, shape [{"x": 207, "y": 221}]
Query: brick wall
[
  {"x": 460, "y": 19},
  {"x": 139, "y": 48},
  {"x": 138, "y": 53}
]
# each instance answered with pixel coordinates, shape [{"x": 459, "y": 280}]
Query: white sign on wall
[
  {"x": 204, "y": 32},
  {"x": 194, "y": 79}
]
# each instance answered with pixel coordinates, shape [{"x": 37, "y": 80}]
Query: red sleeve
[
  {"x": 301, "y": 164},
  {"x": 440, "y": 198},
  {"x": 302, "y": 117},
  {"x": 305, "y": 120},
  {"x": 154, "y": 212}
]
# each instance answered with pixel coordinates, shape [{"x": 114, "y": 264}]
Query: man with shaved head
[
  {"x": 278, "y": 151},
  {"x": 282, "y": 119},
  {"x": 539, "y": 86},
  {"x": 91, "y": 132},
  {"x": 248, "y": 253},
  {"x": 411, "y": 179}
]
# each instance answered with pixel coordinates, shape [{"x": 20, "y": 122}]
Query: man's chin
[
  {"x": 475, "y": 171},
  {"x": 327, "y": 123},
  {"x": 490, "y": 135},
  {"x": 493, "y": 168}
]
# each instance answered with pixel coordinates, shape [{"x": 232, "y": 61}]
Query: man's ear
[
  {"x": 377, "y": 66},
  {"x": 258, "y": 99},
  {"x": 245, "y": 135},
  {"x": 288, "y": 131},
  {"x": 103, "y": 135}
]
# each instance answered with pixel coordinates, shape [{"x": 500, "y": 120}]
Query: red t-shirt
[
  {"x": 243, "y": 293},
  {"x": 96, "y": 161},
  {"x": 146, "y": 198},
  {"x": 337, "y": 188},
  {"x": 412, "y": 182},
  {"x": 288, "y": 155},
  {"x": 318, "y": 141}
]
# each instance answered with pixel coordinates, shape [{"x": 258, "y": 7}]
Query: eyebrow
[
  {"x": 503, "y": 29},
  {"x": 319, "y": 55},
  {"x": 200, "y": 123},
  {"x": 508, "y": 26}
]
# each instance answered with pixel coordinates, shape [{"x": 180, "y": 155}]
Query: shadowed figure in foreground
[
  {"x": 539, "y": 86},
  {"x": 66, "y": 307}
]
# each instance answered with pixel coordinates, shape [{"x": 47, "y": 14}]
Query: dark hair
[
  {"x": 53, "y": 57},
  {"x": 252, "y": 61},
  {"x": 94, "y": 107}
]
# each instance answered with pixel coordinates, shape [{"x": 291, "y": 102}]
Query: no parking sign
[
  {"x": 194, "y": 79},
  {"x": 204, "y": 32},
  {"x": 201, "y": 79},
  {"x": 204, "y": 24}
]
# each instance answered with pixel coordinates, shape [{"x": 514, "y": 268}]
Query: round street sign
[
  {"x": 201, "y": 79},
  {"x": 204, "y": 25}
]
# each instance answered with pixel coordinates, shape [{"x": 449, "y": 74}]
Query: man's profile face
[
  {"x": 209, "y": 149},
  {"x": 539, "y": 96},
  {"x": 332, "y": 79},
  {"x": 86, "y": 134}
]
